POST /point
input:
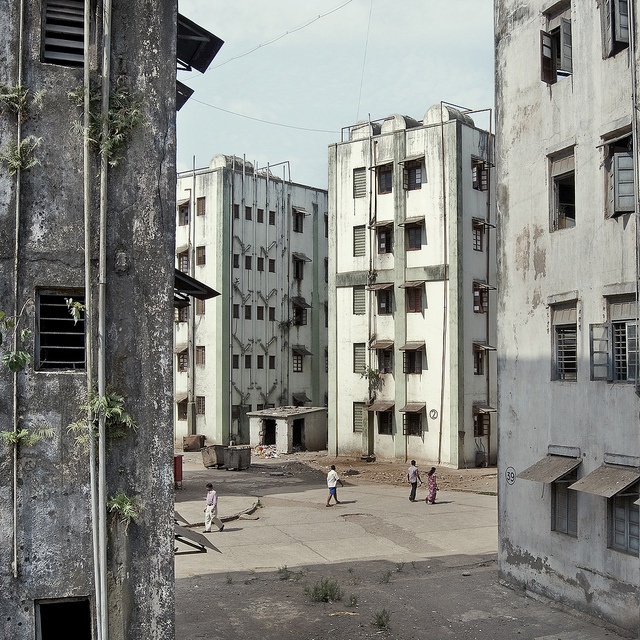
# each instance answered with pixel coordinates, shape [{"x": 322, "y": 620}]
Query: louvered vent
[{"x": 64, "y": 32}]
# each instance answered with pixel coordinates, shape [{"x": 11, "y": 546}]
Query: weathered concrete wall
[
  {"x": 536, "y": 268},
  {"x": 53, "y": 517}
]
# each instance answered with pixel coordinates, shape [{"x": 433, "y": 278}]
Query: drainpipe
[
  {"x": 230, "y": 302},
  {"x": 103, "y": 615},
  {"x": 191, "y": 324}
]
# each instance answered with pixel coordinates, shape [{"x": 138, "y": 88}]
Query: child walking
[{"x": 211, "y": 510}]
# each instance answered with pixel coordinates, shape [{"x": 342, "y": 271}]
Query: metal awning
[
  {"x": 481, "y": 222},
  {"x": 380, "y": 286},
  {"x": 300, "y": 350},
  {"x": 300, "y": 256},
  {"x": 183, "y": 93},
  {"x": 483, "y": 408},
  {"x": 413, "y": 220},
  {"x": 381, "y": 405},
  {"x": 195, "y": 47},
  {"x": 607, "y": 480},
  {"x": 182, "y": 202},
  {"x": 299, "y": 301},
  {"x": 412, "y": 346},
  {"x": 196, "y": 541},
  {"x": 483, "y": 346},
  {"x": 420, "y": 156},
  {"x": 185, "y": 285},
  {"x": 300, "y": 397},
  {"x": 180, "y": 397},
  {"x": 381, "y": 344},
  {"x": 483, "y": 285},
  {"x": 182, "y": 248},
  {"x": 412, "y": 284},
  {"x": 301, "y": 210},
  {"x": 413, "y": 407},
  {"x": 180, "y": 347},
  {"x": 550, "y": 468},
  {"x": 381, "y": 224}
]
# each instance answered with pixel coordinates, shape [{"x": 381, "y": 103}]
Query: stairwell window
[
  {"x": 565, "y": 341},
  {"x": 359, "y": 305},
  {"x": 555, "y": 46},
  {"x": 359, "y": 357},
  {"x": 615, "y": 26},
  {"x": 358, "y": 416},
  {"x": 359, "y": 240},
  {"x": 298, "y": 221},
  {"x": 563, "y": 195},
  {"x": 183, "y": 361},
  {"x": 359, "y": 182},
  {"x": 63, "y": 33},
  {"x": 200, "y": 355},
  {"x": 200, "y": 405}
]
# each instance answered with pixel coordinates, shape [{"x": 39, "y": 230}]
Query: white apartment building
[
  {"x": 569, "y": 446},
  {"x": 261, "y": 241},
  {"x": 412, "y": 279}
]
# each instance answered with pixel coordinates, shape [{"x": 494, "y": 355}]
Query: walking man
[
  {"x": 332, "y": 480},
  {"x": 211, "y": 510},
  {"x": 413, "y": 476}
]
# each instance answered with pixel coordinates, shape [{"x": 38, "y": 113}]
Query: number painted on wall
[{"x": 510, "y": 475}]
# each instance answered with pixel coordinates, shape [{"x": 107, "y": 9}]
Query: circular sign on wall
[
  {"x": 433, "y": 414},
  {"x": 510, "y": 475}
]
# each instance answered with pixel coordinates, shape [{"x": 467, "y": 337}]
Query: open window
[
  {"x": 615, "y": 26},
  {"x": 555, "y": 46},
  {"x": 565, "y": 342},
  {"x": 413, "y": 292},
  {"x": 384, "y": 237},
  {"x": 298, "y": 219},
  {"x": 299, "y": 310},
  {"x": 412, "y": 418},
  {"x": 412, "y": 174},
  {"x": 481, "y": 296},
  {"x": 620, "y": 175},
  {"x": 412, "y": 357},
  {"x": 413, "y": 232},
  {"x": 183, "y": 212},
  {"x": 384, "y": 297},
  {"x": 384, "y": 351},
  {"x": 563, "y": 190},
  {"x": 479, "y": 174},
  {"x": 298, "y": 260},
  {"x": 384, "y": 175},
  {"x": 477, "y": 231}
]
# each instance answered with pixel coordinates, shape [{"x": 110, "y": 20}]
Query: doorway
[
  {"x": 69, "y": 619},
  {"x": 298, "y": 434},
  {"x": 269, "y": 431}
]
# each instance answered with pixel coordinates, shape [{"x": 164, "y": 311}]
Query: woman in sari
[{"x": 432, "y": 486}]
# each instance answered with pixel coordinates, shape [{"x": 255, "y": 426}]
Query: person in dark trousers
[
  {"x": 211, "y": 510},
  {"x": 332, "y": 480},
  {"x": 413, "y": 476}
]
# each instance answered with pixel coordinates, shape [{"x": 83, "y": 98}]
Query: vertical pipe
[{"x": 191, "y": 318}]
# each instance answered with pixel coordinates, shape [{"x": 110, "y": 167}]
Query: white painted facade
[
  {"x": 404, "y": 210},
  {"x": 245, "y": 233},
  {"x": 568, "y": 405}
]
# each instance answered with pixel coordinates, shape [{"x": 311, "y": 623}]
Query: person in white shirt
[
  {"x": 211, "y": 510},
  {"x": 332, "y": 480},
  {"x": 413, "y": 476}
]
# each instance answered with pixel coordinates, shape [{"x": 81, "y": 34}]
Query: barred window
[{"x": 200, "y": 405}]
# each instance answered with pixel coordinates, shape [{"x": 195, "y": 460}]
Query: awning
[
  {"x": 301, "y": 210},
  {"x": 413, "y": 407},
  {"x": 381, "y": 224},
  {"x": 195, "y": 47},
  {"x": 185, "y": 285},
  {"x": 300, "y": 256},
  {"x": 481, "y": 222},
  {"x": 182, "y": 202},
  {"x": 300, "y": 397},
  {"x": 483, "y": 408},
  {"x": 381, "y": 405},
  {"x": 412, "y": 284},
  {"x": 607, "y": 480},
  {"x": 483, "y": 285},
  {"x": 412, "y": 346},
  {"x": 180, "y": 397},
  {"x": 420, "y": 156},
  {"x": 299, "y": 301},
  {"x": 183, "y": 93},
  {"x": 300, "y": 350},
  {"x": 182, "y": 248},
  {"x": 380, "y": 286},
  {"x": 381, "y": 344},
  {"x": 192, "y": 539},
  {"x": 413, "y": 220},
  {"x": 180, "y": 347},
  {"x": 483, "y": 346},
  {"x": 550, "y": 468}
]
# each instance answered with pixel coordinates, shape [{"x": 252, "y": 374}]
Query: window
[
  {"x": 359, "y": 240},
  {"x": 479, "y": 174},
  {"x": 385, "y": 360},
  {"x": 478, "y": 362},
  {"x": 359, "y": 182},
  {"x": 413, "y": 237},
  {"x": 200, "y": 405},
  {"x": 385, "y": 239},
  {"x": 64, "y": 33},
  {"x": 413, "y": 297},
  {"x": 236, "y": 311},
  {"x": 412, "y": 175},
  {"x": 260, "y": 312},
  {"x": 236, "y": 361},
  {"x": 359, "y": 305},
  {"x": 326, "y": 315},
  {"x": 385, "y": 178},
  {"x": 236, "y": 260},
  {"x": 200, "y": 355},
  {"x": 480, "y": 297},
  {"x": 358, "y": 416},
  {"x": 555, "y": 47},
  {"x": 298, "y": 359},
  {"x": 200, "y": 307},
  {"x": 385, "y": 423},
  {"x": 614, "y": 344},
  {"x": 412, "y": 424},
  {"x": 326, "y": 225},
  {"x": 326, "y": 269},
  {"x": 272, "y": 314},
  {"x": 298, "y": 221},
  {"x": 477, "y": 231},
  {"x": 247, "y": 312},
  {"x": 247, "y": 213},
  {"x": 200, "y": 206},
  {"x": 236, "y": 211},
  {"x": 272, "y": 362},
  {"x": 260, "y": 265},
  {"x": 563, "y": 185},
  {"x": 565, "y": 336},
  {"x": 359, "y": 359},
  {"x": 564, "y": 505},
  {"x": 481, "y": 424},
  {"x": 620, "y": 174},
  {"x": 272, "y": 265},
  {"x": 183, "y": 411},
  {"x": 412, "y": 361},
  {"x": 272, "y": 217},
  {"x": 298, "y": 269},
  {"x": 60, "y": 339},
  {"x": 299, "y": 315},
  {"x": 183, "y": 361},
  {"x": 260, "y": 215},
  {"x": 326, "y": 360},
  {"x": 615, "y": 26},
  {"x": 183, "y": 314},
  {"x": 183, "y": 261},
  {"x": 71, "y": 614},
  {"x": 623, "y": 520},
  {"x": 247, "y": 263},
  {"x": 201, "y": 256},
  {"x": 183, "y": 214},
  {"x": 260, "y": 363},
  {"x": 385, "y": 302},
  {"x": 247, "y": 361}
]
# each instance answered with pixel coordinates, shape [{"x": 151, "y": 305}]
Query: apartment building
[
  {"x": 261, "y": 241},
  {"x": 412, "y": 285},
  {"x": 569, "y": 446}
]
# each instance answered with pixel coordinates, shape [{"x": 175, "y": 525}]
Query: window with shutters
[
  {"x": 385, "y": 302},
  {"x": 563, "y": 191},
  {"x": 412, "y": 175},
  {"x": 413, "y": 233},
  {"x": 565, "y": 339},
  {"x": 385, "y": 360},
  {"x": 481, "y": 424},
  {"x": 413, "y": 296},
  {"x": 359, "y": 182},
  {"x": 260, "y": 215},
  {"x": 359, "y": 298},
  {"x": 385, "y": 423},
  {"x": 555, "y": 46},
  {"x": 624, "y": 522},
  {"x": 412, "y": 361},
  {"x": 358, "y": 416},
  {"x": 299, "y": 315},
  {"x": 620, "y": 172},
  {"x": 183, "y": 214},
  {"x": 247, "y": 213},
  {"x": 247, "y": 263},
  {"x": 480, "y": 297},
  {"x": 201, "y": 256},
  {"x": 236, "y": 260},
  {"x": 183, "y": 261},
  {"x": 412, "y": 424},
  {"x": 478, "y": 362},
  {"x": 384, "y": 175},
  {"x": 200, "y": 355},
  {"x": 359, "y": 357},
  {"x": 201, "y": 206},
  {"x": 260, "y": 312},
  {"x": 200, "y": 405},
  {"x": 298, "y": 269},
  {"x": 615, "y": 26},
  {"x": 63, "y": 33},
  {"x": 479, "y": 174},
  {"x": 477, "y": 231},
  {"x": 183, "y": 410},
  {"x": 298, "y": 221},
  {"x": 384, "y": 236},
  {"x": 200, "y": 307},
  {"x": 359, "y": 240},
  {"x": 614, "y": 344},
  {"x": 564, "y": 505},
  {"x": 183, "y": 361},
  {"x": 183, "y": 314},
  {"x": 298, "y": 360}
]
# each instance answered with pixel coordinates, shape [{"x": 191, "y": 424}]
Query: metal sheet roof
[
  {"x": 550, "y": 468},
  {"x": 299, "y": 301},
  {"x": 412, "y": 284},
  {"x": 189, "y": 286},
  {"x": 381, "y": 405},
  {"x": 195, "y": 47},
  {"x": 180, "y": 397},
  {"x": 484, "y": 408},
  {"x": 380, "y": 286},
  {"x": 483, "y": 285},
  {"x": 381, "y": 344},
  {"x": 607, "y": 480},
  {"x": 412, "y": 346},
  {"x": 300, "y": 397},
  {"x": 300, "y": 350},
  {"x": 412, "y": 220},
  {"x": 413, "y": 407},
  {"x": 484, "y": 346},
  {"x": 301, "y": 256}
]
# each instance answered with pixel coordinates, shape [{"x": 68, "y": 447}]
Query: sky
[{"x": 289, "y": 99}]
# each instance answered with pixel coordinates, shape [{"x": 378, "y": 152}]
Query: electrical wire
[
  {"x": 286, "y": 33},
  {"x": 364, "y": 60}
]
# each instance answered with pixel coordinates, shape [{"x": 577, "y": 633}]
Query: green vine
[
  {"x": 25, "y": 437},
  {"x": 124, "y": 507},
  {"x": 374, "y": 377},
  {"x": 19, "y": 157},
  {"x": 19, "y": 359}
]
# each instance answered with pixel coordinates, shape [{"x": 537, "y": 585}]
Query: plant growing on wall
[
  {"x": 15, "y": 360},
  {"x": 76, "y": 309},
  {"x": 19, "y": 100},
  {"x": 123, "y": 507},
  {"x": 19, "y": 157},
  {"x": 374, "y": 377},
  {"x": 25, "y": 437}
]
